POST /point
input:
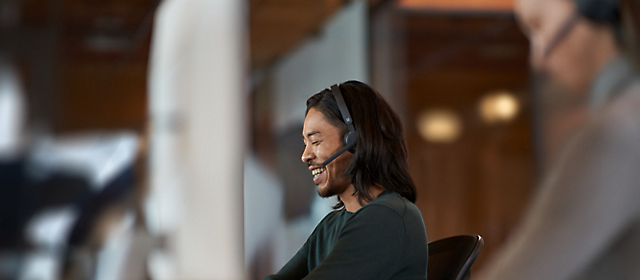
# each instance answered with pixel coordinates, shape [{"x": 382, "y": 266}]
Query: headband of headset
[
  {"x": 350, "y": 138},
  {"x": 602, "y": 11}
]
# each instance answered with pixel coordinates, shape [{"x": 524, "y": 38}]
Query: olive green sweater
[{"x": 386, "y": 239}]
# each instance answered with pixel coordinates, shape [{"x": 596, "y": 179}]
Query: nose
[
  {"x": 536, "y": 56},
  {"x": 307, "y": 155}
]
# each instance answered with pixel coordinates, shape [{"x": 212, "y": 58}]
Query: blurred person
[
  {"x": 584, "y": 222},
  {"x": 375, "y": 231}
]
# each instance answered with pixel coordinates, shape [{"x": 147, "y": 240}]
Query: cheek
[
  {"x": 321, "y": 152},
  {"x": 558, "y": 64},
  {"x": 340, "y": 165},
  {"x": 571, "y": 63},
  {"x": 332, "y": 172}
]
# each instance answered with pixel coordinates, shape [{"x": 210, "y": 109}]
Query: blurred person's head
[
  {"x": 379, "y": 158},
  {"x": 571, "y": 40}
]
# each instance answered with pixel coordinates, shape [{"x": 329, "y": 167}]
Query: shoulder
[
  {"x": 330, "y": 218},
  {"x": 389, "y": 201},
  {"x": 391, "y": 212},
  {"x": 390, "y": 207},
  {"x": 619, "y": 120},
  {"x": 328, "y": 221},
  {"x": 625, "y": 105}
]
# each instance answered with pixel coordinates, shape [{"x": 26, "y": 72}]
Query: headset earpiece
[
  {"x": 350, "y": 140},
  {"x": 603, "y": 11}
]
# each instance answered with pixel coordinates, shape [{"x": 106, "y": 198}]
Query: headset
[
  {"x": 600, "y": 11},
  {"x": 351, "y": 137}
]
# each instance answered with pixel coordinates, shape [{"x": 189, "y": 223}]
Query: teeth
[{"x": 317, "y": 171}]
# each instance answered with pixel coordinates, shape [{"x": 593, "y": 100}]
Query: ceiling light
[
  {"x": 500, "y": 106},
  {"x": 439, "y": 125}
]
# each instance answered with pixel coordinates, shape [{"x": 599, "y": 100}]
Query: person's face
[
  {"x": 322, "y": 140},
  {"x": 571, "y": 62}
]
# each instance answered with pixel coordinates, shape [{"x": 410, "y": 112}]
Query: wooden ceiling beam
[{"x": 279, "y": 26}]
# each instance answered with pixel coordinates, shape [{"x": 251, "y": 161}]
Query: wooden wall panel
[
  {"x": 466, "y": 5},
  {"x": 102, "y": 94}
]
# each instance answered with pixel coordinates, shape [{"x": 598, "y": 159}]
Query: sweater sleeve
[
  {"x": 369, "y": 243},
  {"x": 582, "y": 207}
]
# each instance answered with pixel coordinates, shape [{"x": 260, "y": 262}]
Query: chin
[{"x": 325, "y": 191}]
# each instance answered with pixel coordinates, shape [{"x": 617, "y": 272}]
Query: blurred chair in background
[{"x": 451, "y": 258}]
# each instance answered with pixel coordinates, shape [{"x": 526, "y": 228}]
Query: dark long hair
[{"x": 380, "y": 155}]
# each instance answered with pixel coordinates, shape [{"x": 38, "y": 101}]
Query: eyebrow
[{"x": 311, "y": 134}]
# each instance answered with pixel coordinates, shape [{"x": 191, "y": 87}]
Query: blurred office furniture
[
  {"x": 451, "y": 258},
  {"x": 64, "y": 195}
]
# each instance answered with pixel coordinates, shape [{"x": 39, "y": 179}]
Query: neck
[
  {"x": 350, "y": 200},
  {"x": 603, "y": 62},
  {"x": 607, "y": 51}
]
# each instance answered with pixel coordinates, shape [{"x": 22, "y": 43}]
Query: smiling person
[
  {"x": 355, "y": 150},
  {"x": 584, "y": 222}
]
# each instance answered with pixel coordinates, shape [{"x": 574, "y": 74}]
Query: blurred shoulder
[{"x": 621, "y": 116}]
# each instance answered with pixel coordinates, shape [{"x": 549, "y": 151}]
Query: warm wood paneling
[
  {"x": 464, "y": 5},
  {"x": 278, "y": 26},
  {"x": 102, "y": 94}
]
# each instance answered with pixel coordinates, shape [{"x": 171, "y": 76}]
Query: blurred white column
[
  {"x": 12, "y": 110},
  {"x": 197, "y": 106}
]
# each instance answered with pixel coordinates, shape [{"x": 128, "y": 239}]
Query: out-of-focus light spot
[
  {"x": 499, "y": 107},
  {"x": 439, "y": 125}
]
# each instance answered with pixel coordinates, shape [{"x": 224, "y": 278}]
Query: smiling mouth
[{"x": 317, "y": 171}]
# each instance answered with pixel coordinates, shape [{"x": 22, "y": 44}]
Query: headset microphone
[
  {"x": 351, "y": 137},
  {"x": 601, "y": 11},
  {"x": 334, "y": 156}
]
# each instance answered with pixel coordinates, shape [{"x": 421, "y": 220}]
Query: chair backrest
[{"x": 451, "y": 258}]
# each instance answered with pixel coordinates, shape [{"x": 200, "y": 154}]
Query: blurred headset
[
  {"x": 599, "y": 11},
  {"x": 351, "y": 137}
]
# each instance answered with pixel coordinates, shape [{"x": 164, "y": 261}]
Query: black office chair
[{"x": 451, "y": 258}]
